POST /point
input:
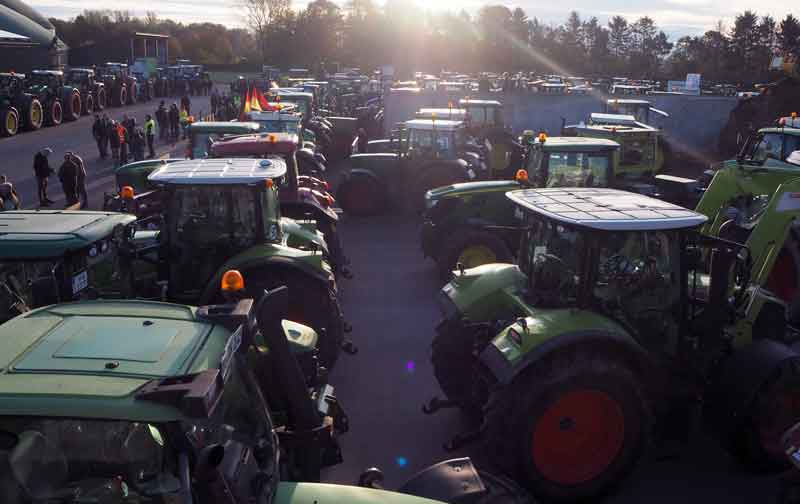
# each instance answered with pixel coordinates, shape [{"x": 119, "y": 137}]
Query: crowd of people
[{"x": 122, "y": 141}]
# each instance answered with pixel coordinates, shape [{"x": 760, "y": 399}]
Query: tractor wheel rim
[
  {"x": 578, "y": 437},
  {"x": 361, "y": 197},
  {"x": 36, "y": 115},
  {"x": 11, "y": 124},
  {"x": 476, "y": 255}
]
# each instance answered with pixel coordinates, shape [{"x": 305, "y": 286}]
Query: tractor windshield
[
  {"x": 551, "y": 257},
  {"x": 39, "y": 80},
  {"x": 574, "y": 169},
  {"x": 432, "y": 142},
  {"x": 86, "y": 460},
  {"x": 210, "y": 217},
  {"x": 778, "y": 146}
]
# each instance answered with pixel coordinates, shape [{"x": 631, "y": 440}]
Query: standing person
[
  {"x": 113, "y": 141},
  {"x": 150, "y": 134},
  {"x": 161, "y": 119},
  {"x": 98, "y": 131},
  {"x": 184, "y": 120},
  {"x": 174, "y": 122},
  {"x": 186, "y": 104},
  {"x": 83, "y": 196},
  {"x": 214, "y": 101},
  {"x": 9, "y": 199},
  {"x": 137, "y": 144},
  {"x": 105, "y": 136},
  {"x": 124, "y": 140},
  {"x": 68, "y": 175},
  {"x": 42, "y": 170}
]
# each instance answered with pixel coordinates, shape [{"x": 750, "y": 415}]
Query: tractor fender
[
  {"x": 312, "y": 208},
  {"x": 618, "y": 343},
  {"x": 260, "y": 264},
  {"x": 739, "y": 379},
  {"x": 455, "y": 480}
]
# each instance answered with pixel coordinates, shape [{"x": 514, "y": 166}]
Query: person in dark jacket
[
  {"x": 83, "y": 195},
  {"x": 99, "y": 133},
  {"x": 174, "y": 121},
  {"x": 162, "y": 120},
  {"x": 137, "y": 144},
  {"x": 113, "y": 141},
  {"x": 68, "y": 175},
  {"x": 42, "y": 170}
]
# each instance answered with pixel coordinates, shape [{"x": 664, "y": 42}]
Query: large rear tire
[
  {"x": 454, "y": 365},
  {"x": 55, "y": 113},
  {"x": 570, "y": 428},
  {"x": 472, "y": 248},
  {"x": 362, "y": 196},
  {"x": 132, "y": 95},
  {"x": 311, "y": 303},
  {"x": 73, "y": 106},
  {"x": 88, "y": 105},
  {"x": 34, "y": 115},
  {"x": 122, "y": 97},
  {"x": 10, "y": 122}
]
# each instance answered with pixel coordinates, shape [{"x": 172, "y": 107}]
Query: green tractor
[
  {"x": 18, "y": 109},
  {"x": 620, "y": 320},
  {"x": 51, "y": 256},
  {"x": 93, "y": 92},
  {"x": 222, "y": 214},
  {"x": 433, "y": 153},
  {"x": 143, "y": 402},
  {"x": 474, "y": 223},
  {"x": 60, "y": 101},
  {"x": 643, "y": 148},
  {"x": 739, "y": 193}
]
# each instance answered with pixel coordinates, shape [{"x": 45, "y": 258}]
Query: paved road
[
  {"x": 16, "y": 153},
  {"x": 391, "y": 305}
]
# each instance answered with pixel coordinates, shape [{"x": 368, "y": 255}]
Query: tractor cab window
[
  {"x": 775, "y": 146},
  {"x": 637, "y": 281},
  {"x": 478, "y": 115},
  {"x": 551, "y": 257},
  {"x": 432, "y": 142},
  {"x": 577, "y": 169},
  {"x": 208, "y": 216},
  {"x": 87, "y": 460},
  {"x": 637, "y": 151}
]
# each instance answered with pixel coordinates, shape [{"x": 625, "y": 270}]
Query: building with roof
[{"x": 27, "y": 39}]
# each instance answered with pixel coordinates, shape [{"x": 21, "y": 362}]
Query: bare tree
[{"x": 261, "y": 15}]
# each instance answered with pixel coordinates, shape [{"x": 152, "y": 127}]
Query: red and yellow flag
[
  {"x": 255, "y": 104},
  {"x": 245, "y": 106}
]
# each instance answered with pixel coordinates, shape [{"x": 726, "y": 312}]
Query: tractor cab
[
  {"x": 304, "y": 101},
  {"x": 571, "y": 161},
  {"x": 117, "y": 70},
  {"x": 640, "y": 109},
  {"x": 643, "y": 151},
  {"x": 450, "y": 114},
  {"x": 483, "y": 114},
  {"x": 434, "y": 138},
  {"x": 49, "y": 257},
  {"x": 776, "y": 147},
  {"x": 45, "y": 79},
  {"x": 202, "y": 134},
  {"x": 11, "y": 84},
  {"x": 80, "y": 77}
]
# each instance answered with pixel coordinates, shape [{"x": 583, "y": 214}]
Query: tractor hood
[
  {"x": 318, "y": 493},
  {"x": 365, "y": 161},
  {"x": 469, "y": 188}
]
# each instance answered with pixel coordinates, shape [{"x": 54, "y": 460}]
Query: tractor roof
[
  {"x": 274, "y": 143},
  {"x": 219, "y": 171},
  {"x": 430, "y": 124},
  {"x": 57, "y": 73},
  {"x": 578, "y": 144},
  {"x": 224, "y": 127},
  {"x": 286, "y": 112},
  {"x": 39, "y": 234},
  {"x": 606, "y": 209},
  {"x": 88, "y": 359},
  {"x": 487, "y": 103},
  {"x": 621, "y": 119},
  {"x": 13, "y": 75},
  {"x": 453, "y": 114}
]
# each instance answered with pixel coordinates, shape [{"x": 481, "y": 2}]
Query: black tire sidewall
[
  {"x": 454, "y": 366},
  {"x": 633, "y": 413},
  {"x": 378, "y": 201}
]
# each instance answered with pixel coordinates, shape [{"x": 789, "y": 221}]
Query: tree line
[{"x": 401, "y": 33}]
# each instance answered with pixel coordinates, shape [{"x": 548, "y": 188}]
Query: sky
[{"x": 675, "y": 17}]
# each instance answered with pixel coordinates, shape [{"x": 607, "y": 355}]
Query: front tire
[
  {"x": 311, "y": 303},
  {"x": 35, "y": 115},
  {"x": 100, "y": 103},
  {"x": 471, "y": 249},
  {"x": 55, "y": 114},
  {"x": 454, "y": 365},
  {"x": 73, "y": 107},
  {"x": 88, "y": 105},
  {"x": 10, "y": 122},
  {"x": 569, "y": 429}
]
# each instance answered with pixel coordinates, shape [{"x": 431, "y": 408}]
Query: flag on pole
[
  {"x": 245, "y": 106},
  {"x": 255, "y": 104},
  {"x": 263, "y": 102}
]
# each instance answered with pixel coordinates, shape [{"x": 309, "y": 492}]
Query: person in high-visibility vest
[
  {"x": 184, "y": 118},
  {"x": 150, "y": 134}
]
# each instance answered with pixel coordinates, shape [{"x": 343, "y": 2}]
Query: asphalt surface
[
  {"x": 391, "y": 305},
  {"x": 16, "y": 153}
]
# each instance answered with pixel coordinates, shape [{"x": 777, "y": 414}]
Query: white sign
[{"x": 693, "y": 83}]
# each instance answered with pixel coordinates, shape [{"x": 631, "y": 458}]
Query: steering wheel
[{"x": 551, "y": 273}]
